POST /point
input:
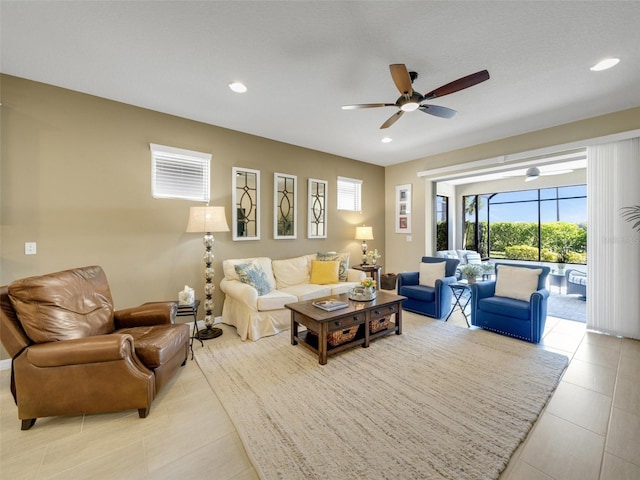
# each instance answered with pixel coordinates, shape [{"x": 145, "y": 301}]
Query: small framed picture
[{"x": 403, "y": 208}]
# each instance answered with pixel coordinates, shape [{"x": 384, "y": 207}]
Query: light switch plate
[{"x": 30, "y": 248}]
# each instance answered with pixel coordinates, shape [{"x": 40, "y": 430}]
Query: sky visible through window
[{"x": 566, "y": 204}]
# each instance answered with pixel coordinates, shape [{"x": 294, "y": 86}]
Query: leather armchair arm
[
  {"x": 80, "y": 351},
  {"x": 153, "y": 313}
]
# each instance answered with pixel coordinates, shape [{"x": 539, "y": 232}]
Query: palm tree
[{"x": 632, "y": 214}]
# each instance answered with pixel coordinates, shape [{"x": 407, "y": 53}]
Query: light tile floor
[{"x": 590, "y": 429}]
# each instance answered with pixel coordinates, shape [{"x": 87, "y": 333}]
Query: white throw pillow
[
  {"x": 291, "y": 271},
  {"x": 430, "y": 272},
  {"x": 517, "y": 282}
]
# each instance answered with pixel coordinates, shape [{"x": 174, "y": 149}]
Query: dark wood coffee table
[{"x": 357, "y": 313}]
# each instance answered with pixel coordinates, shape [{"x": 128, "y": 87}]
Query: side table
[
  {"x": 462, "y": 297},
  {"x": 371, "y": 270},
  {"x": 557, "y": 280},
  {"x": 188, "y": 311}
]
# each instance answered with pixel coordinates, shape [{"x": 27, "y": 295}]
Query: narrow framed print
[
  {"x": 245, "y": 200},
  {"x": 285, "y": 208},
  {"x": 403, "y": 208},
  {"x": 317, "y": 208}
]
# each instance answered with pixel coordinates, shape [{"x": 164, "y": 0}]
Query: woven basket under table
[{"x": 338, "y": 337}]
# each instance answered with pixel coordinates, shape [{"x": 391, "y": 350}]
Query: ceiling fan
[{"x": 411, "y": 100}]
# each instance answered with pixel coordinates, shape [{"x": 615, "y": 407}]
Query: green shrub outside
[{"x": 519, "y": 240}]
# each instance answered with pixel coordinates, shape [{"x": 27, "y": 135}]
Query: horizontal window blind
[
  {"x": 178, "y": 173},
  {"x": 349, "y": 194}
]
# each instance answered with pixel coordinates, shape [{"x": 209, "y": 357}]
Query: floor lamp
[{"x": 208, "y": 220}]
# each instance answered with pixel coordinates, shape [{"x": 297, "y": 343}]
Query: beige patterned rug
[{"x": 439, "y": 401}]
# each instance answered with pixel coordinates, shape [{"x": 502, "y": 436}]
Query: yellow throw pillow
[
  {"x": 324, "y": 272},
  {"x": 430, "y": 272},
  {"x": 517, "y": 282}
]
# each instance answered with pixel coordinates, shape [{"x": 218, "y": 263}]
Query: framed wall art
[
  {"x": 245, "y": 200},
  {"x": 403, "y": 208},
  {"x": 317, "y": 209},
  {"x": 285, "y": 209}
]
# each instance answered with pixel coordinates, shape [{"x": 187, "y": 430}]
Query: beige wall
[
  {"x": 75, "y": 176},
  {"x": 402, "y": 255}
]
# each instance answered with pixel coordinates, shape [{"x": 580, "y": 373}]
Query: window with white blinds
[
  {"x": 178, "y": 173},
  {"x": 349, "y": 194}
]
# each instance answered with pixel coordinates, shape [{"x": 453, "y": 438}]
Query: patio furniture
[
  {"x": 513, "y": 304},
  {"x": 576, "y": 282}
]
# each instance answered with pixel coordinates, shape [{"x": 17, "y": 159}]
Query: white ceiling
[{"x": 302, "y": 60}]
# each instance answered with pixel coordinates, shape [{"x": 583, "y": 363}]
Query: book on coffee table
[{"x": 330, "y": 305}]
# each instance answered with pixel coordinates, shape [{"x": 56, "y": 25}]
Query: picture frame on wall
[{"x": 403, "y": 208}]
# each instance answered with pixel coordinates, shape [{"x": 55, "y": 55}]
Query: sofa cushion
[
  {"x": 342, "y": 287},
  {"x": 156, "y": 344},
  {"x": 253, "y": 274},
  {"x": 447, "y": 254},
  {"x": 577, "y": 278},
  {"x": 308, "y": 291},
  {"x": 474, "y": 258},
  {"x": 418, "y": 292},
  {"x": 291, "y": 271},
  {"x": 64, "y": 305},
  {"x": 228, "y": 266},
  {"x": 324, "y": 272},
  {"x": 430, "y": 272},
  {"x": 516, "y": 282},
  {"x": 505, "y": 306},
  {"x": 343, "y": 258},
  {"x": 275, "y": 300}
]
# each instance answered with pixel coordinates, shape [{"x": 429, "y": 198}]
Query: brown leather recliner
[{"x": 73, "y": 353}]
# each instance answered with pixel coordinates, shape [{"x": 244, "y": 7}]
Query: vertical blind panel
[
  {"x": 349, "y": 194},
  {"x": 180, "y": 176},
  {"x": 613, "y": 303}
]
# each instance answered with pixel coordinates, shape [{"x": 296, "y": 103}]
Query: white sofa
[{"x": 256, "y": 316}]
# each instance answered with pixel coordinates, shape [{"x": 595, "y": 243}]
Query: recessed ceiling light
[
  {"x": 605, "y": 64},
  {"x": 238, "y": 87},
  {"x": 386, "y": 140}
]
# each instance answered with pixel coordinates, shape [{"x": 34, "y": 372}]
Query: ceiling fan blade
[
  {"x": 401, "y": 78},
  {"x": 367, "y": 105},
  {"x": 457, "y": 85},
  {"x": 392, "y": 119},
  {"x": 438, "y": 111}
]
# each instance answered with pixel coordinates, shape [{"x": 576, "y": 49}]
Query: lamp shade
[
  {"x": 364, "y": 233},
  {"x": 207, "y": 219}
]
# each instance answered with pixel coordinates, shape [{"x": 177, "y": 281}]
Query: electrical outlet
[
  {"x": 409, "y": 239},
  {"x": 30, "y": 248}
]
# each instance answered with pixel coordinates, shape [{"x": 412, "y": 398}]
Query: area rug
[{"x": 438, "y": 402}]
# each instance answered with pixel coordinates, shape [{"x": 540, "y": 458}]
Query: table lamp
[
  {"x": 208, "y": 220},
  {"x": 364, "y": 233}
]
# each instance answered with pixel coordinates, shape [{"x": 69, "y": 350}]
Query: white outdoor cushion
[
  {"x": 291, "y": 271},
  {"x": 517, "y": 282},
  {"x": 430, "y": 272},
  {"x": 474, "y": 257}
]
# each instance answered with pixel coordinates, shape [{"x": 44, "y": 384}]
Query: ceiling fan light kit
[
  {"x": 532, "y": 174},
  {"x": 411, "y": 100}
]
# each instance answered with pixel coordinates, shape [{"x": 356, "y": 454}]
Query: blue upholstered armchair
[
  {"x": 433, "y": 301},
  {"x": 514, "y": 304}
]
